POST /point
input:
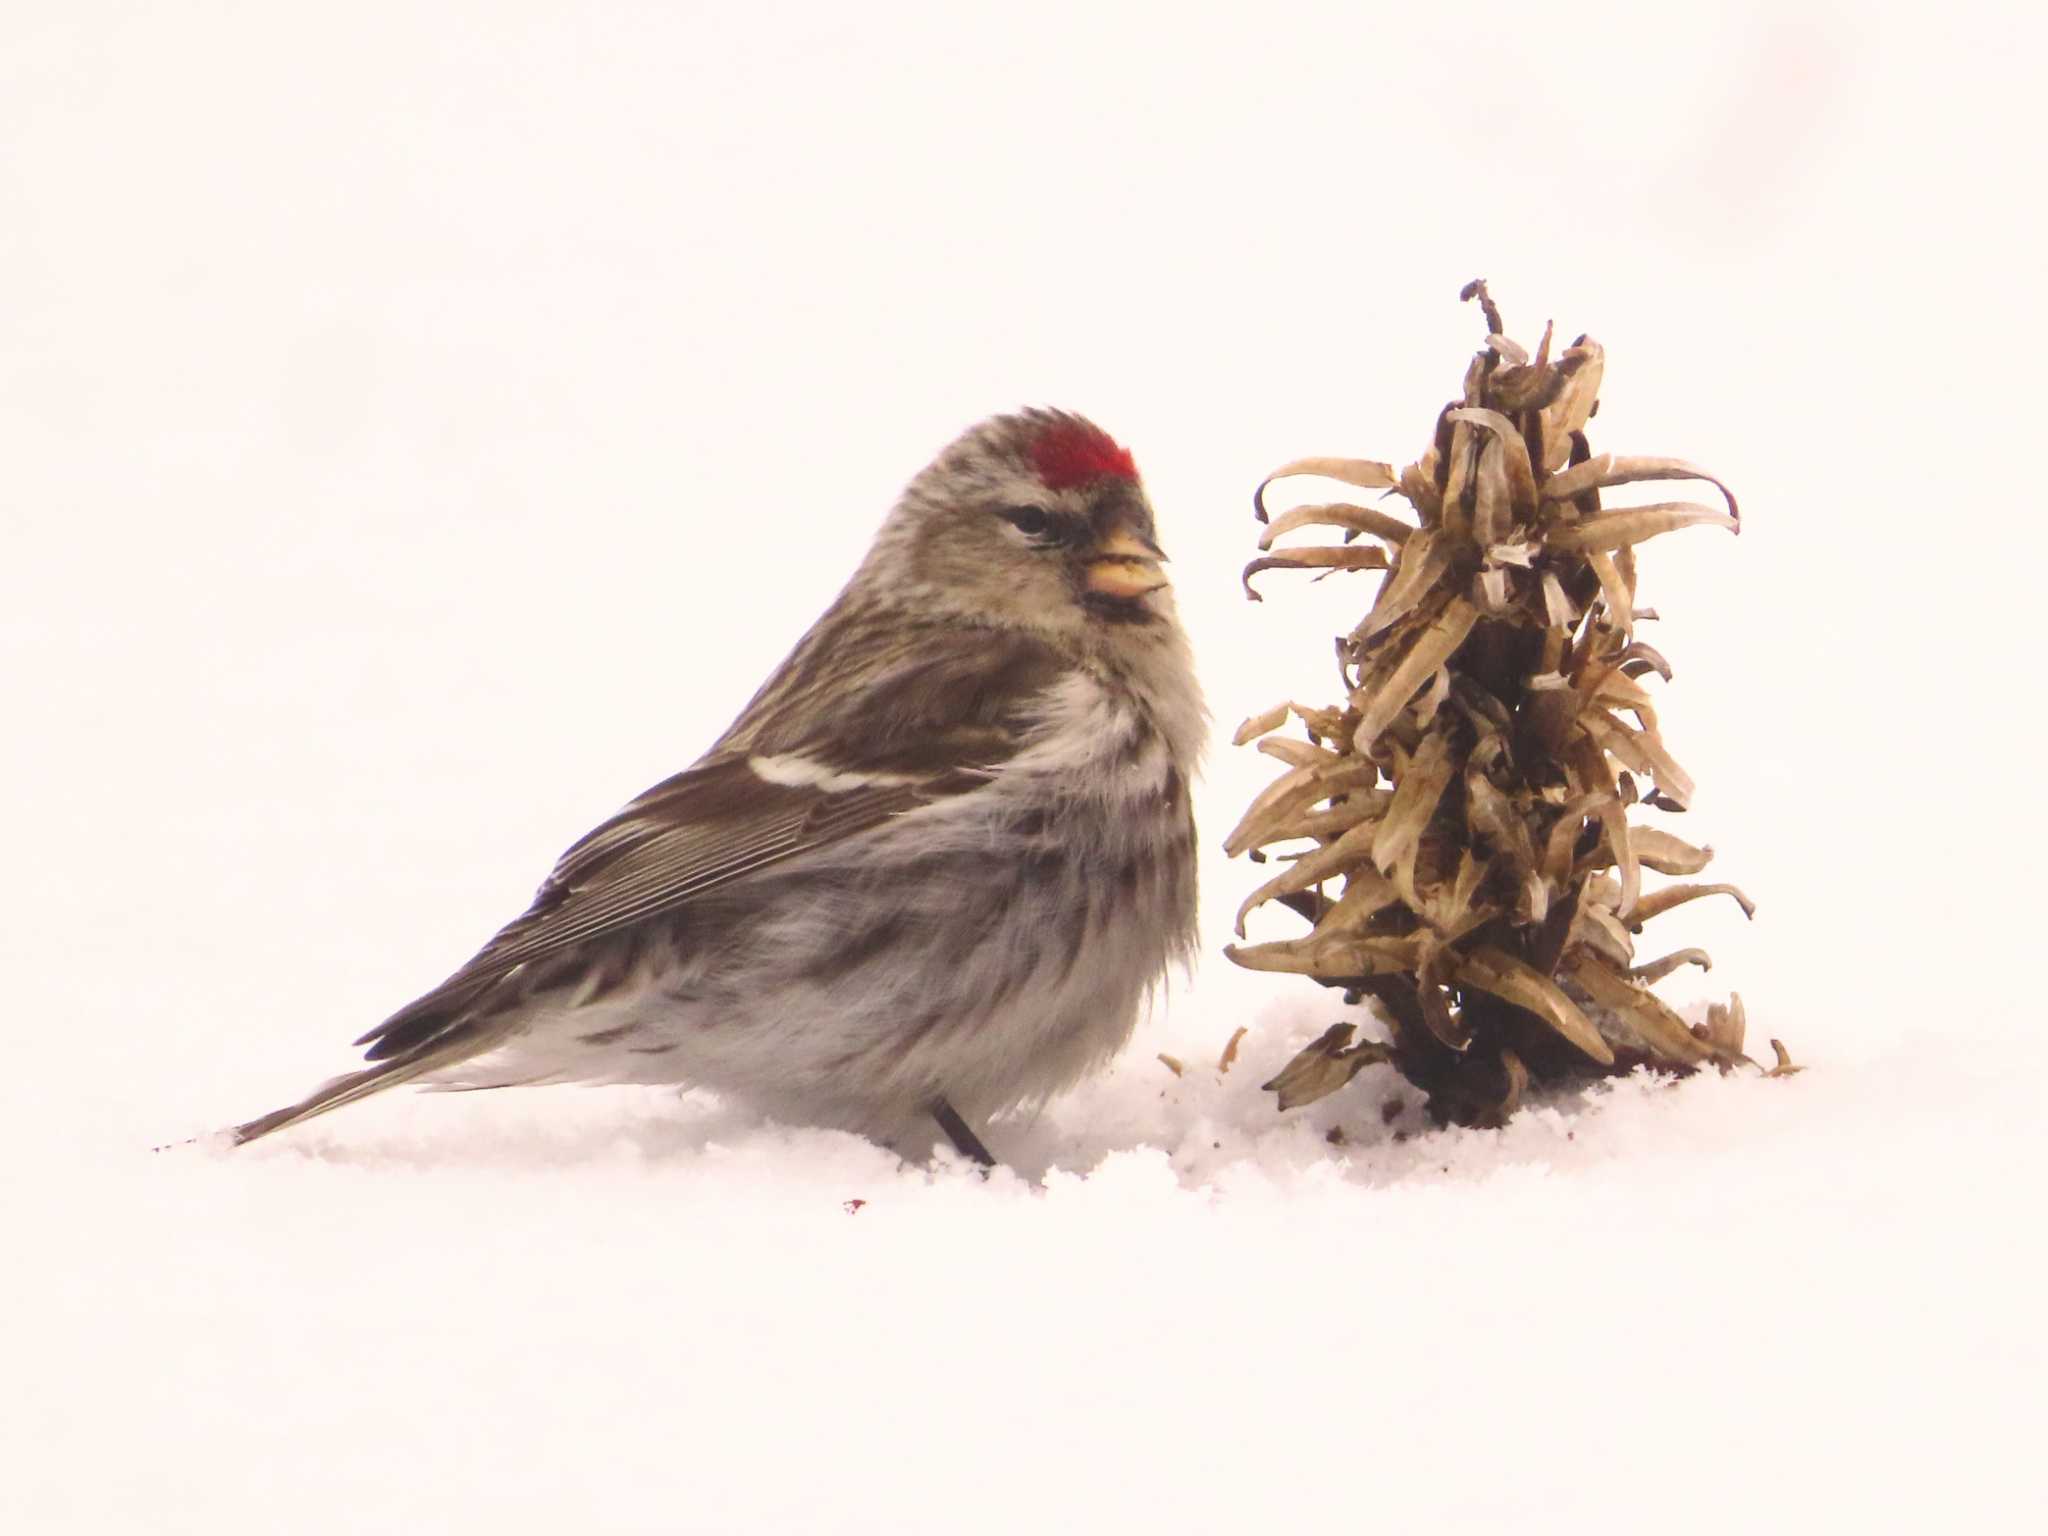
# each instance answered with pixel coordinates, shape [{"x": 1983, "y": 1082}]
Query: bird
[{"x": 932, "y": 871}]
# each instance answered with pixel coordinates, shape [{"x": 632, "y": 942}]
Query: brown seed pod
[{"x": 1457, "y": 830}]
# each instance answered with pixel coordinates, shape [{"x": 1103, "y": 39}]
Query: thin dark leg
[{"x": 963, "y": 1139}]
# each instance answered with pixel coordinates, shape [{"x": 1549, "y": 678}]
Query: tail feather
[{"x": 351, "y": 1086}]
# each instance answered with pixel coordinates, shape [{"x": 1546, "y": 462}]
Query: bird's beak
[{"x": 1124, "y": 565}]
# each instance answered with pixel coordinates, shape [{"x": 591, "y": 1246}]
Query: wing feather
[{"x": 932, "y": 728}]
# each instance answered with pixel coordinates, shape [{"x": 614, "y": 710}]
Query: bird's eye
[{"x": 1029, "y": 521}]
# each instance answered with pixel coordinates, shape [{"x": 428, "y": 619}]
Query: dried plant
[{"x": 1469, "y": 802}]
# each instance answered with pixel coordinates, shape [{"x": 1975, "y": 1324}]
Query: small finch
[{"x": 931, "y": 871}]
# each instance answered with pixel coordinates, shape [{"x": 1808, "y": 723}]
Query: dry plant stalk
[{"x": 1470, "y": 799}]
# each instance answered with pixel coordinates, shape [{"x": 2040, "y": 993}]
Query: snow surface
[{"x": 421, "y": 427}]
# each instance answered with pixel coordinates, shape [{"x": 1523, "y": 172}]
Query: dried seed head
[{"x": 1469, "y": 858}]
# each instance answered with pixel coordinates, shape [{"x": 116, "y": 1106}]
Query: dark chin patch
[{"x": 1118, "y": 610}]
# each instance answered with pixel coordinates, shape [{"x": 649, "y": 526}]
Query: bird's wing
[{"x": 800, "y": 779}]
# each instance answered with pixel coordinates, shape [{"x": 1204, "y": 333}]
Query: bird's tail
[{"x": 352, "y": 1086}]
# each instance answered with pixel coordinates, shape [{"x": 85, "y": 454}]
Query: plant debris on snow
[{"x": 1463, "y": 832}]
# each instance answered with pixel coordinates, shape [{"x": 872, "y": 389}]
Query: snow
[
  {"x": 421, "y": 429},
  {"x": 1797, "y": 1302}
]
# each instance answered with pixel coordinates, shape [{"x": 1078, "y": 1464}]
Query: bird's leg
[{"x": 961, "y": 1135}]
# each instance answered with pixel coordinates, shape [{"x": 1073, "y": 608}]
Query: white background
[{"x": 422, "y": 426}]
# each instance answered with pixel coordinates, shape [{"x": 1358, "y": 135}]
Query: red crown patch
[{"x": 1071, "y": 453}]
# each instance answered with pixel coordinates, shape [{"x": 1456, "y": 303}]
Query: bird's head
[{"x": 1036, "y": 521}]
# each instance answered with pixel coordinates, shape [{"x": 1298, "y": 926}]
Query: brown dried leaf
[
  {"x": 1636, "y": 658},
  {"x": 1337, "y": 514},
  {"x": 1604, "y": 889},
  {"x": 1726, "y": 1024},
  {"x": 1654, "y": 1024},
  {"x": 1398, "y": 834},
  {"x": 1312, "y": 868},
  {"x": 1573, "y": 408},
  {"x": 1492, "y": 816},
  {"x": 1640, "y": 750},
  {"x": 1476, "y": 373},
  {"x": 1605, "y": 470},
  {"x": 1656, "y": 850},
  {"x": 1519, "y": 388},
  {"x": 1326, "y": 723},
  {"x": 1520, "y": 555},
  {"x": 1509, "y": 351},
  {"x": 1334, "y": 819},
  {"x": 1598, "y": 929},
  {"x": 1257, "y": 725},
  {"x": 1437, "y": 1017},
  {"x": 1336, "y": 557},
  {"x": 1430, "y": 650},
  {"x": 1349, "y": 955},
  {"x": 1664, "y": 965},
  {"x": 1491, "y": 509},
  {"x": 1591, "y": 765},
  {"x": 1517, "y": 1077},
  {"x": 1492, "y": 970},
  {"x": 1557, "y": 608},
  {"x": 1292, "y": 793},
  {"x": 1366, "y": 892},
  {"x": 1666, "y": 854},
  {"x": 1292, "y": 790},
  {"x": 1324, "y": 1066},
  {"x": 1431, "y": 699},
  {"x": 1564, "y": 835},
  {"x": 1367, "y": 474},
  {"x": 1632, "y": 525},
  {"x": 1298, "y": 754},
  {"x": 1615, "y": 593},
  {"x": 1418, "y": 484},
  {"x": 1464, "y": 462},
  {"x": 1521, "y": 476},
  {"x": 1659, "y": 902},
  {"x": 1616, "y": 689},
  {"x": 1453, "y": 912},
  {"x": 1490, "y": 590},
  {"x": 1422, "y": 560}
]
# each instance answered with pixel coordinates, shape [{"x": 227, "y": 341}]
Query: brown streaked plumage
[{"x": 931, "y": 870}]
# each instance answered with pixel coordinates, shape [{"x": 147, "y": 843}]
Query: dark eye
[{"x": 1029, "y": 521}]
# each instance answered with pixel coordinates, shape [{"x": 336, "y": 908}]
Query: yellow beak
[{"x": 1124, "y": 566}]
